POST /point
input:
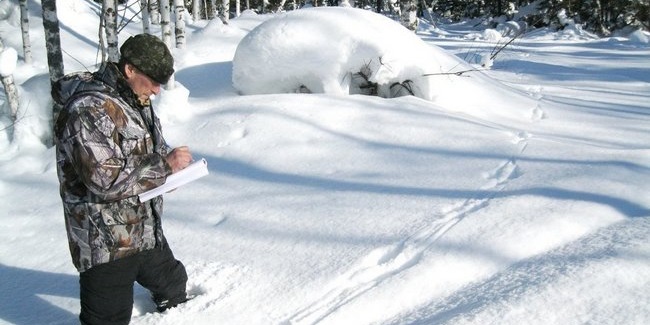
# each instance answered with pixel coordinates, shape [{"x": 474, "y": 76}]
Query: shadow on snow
[
  {"x": 21, "y": 301},
  {"x": 247, "y": 171}
]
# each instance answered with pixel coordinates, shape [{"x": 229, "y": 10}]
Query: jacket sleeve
[{"x": 98, "y": 153}]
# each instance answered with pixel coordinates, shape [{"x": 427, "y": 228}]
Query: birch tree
[
  {"x": 154, "y": 11},
  {"x": 408, "y": 14},
  {"x": 165, "y": 25},
  {"x": 179, "y": 28},
  {"x": 196, "y": 10},
  {"x": 146, "y": 19},
  {"x": 109, "y": 18},
  {"x": 213, "y": 9},
  {"x": 224, "y": 11},
  {"x": 24, "y": 27},
  {"x": 52, "y": 40}
]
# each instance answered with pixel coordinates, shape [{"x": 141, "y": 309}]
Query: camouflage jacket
[{"x": 109, "y": 149}]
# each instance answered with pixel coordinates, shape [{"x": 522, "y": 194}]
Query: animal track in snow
[
  {"x": 502, "y": 174},
  {"x": 385, "y": 262},
  {"x": 537, "y": 113},
  {"x": 235, "y": 134}
]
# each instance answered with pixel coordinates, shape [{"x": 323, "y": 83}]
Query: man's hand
[{"x": 179, "y": 158}]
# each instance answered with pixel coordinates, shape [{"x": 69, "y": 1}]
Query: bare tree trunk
[
  {"x": 109, "y": 16},
  {"x": 213, "y": 9},
  {"x": 53, "y": 46},
  {"x": 146, "y": 17},
  {"x": 154, "y": 11},
  {"x": 408, "y": 14},
  {"x": 237, "y": 8},
  {"x": 224, "y": 11},
  {"x": 12, "y": 95},
  {"x": 52, "y": 40},
  {"x": 196, "y": 10},
  {"x": 24, "y": 26},
  {"x": 179, "y": 12},
  {"x": 165, "y": 24}
]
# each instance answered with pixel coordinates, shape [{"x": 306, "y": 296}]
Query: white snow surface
[
  {"x": 8, "y": 61},
  {"x": 511, "y": 195},
  {"x": 288, "y": 51}
]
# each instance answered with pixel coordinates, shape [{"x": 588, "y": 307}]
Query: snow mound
[
  {"x": 639, "y": 36},
  {"x": 341, "y": 51},
  {"x": 173, "y": 105},
  {"x": 9, "y": 13},
  {"x": 8, "y": 60},
  {"x": 337, "y": 50}
]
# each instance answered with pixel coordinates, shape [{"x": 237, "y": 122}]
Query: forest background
[{"x": 511, "y": 18}]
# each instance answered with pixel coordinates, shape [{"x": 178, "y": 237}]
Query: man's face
[{"x": 143, "y": 86}]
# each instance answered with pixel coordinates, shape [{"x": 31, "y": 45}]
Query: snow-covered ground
[{"x": 516, "y": 194}]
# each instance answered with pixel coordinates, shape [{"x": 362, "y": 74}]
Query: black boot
[{"x": 164, "y": 304}]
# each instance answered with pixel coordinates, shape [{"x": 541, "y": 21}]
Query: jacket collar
[{"x": 110, "y": 74}]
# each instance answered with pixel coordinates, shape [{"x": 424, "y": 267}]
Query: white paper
[{"x": 190, "y": 173}]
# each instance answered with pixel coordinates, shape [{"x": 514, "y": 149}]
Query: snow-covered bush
[{"x": 339, "y": 51}]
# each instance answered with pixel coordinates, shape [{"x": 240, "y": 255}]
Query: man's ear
[{"x": 129, "y": 70}]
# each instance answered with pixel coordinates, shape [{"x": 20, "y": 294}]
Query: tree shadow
[
  {"x": 21, "y": 302},
  {"x": 531, "y": 275},
  {"x": 207, "y": 80},
  {"x": 247, "y": 171}
]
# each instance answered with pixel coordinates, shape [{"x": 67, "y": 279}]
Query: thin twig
[
  {"x": 505, "y": 45},
  {"x": 127, "y": 22},
  {"x": 71, "y": 56},
  {"x": 15, "y": 122},
  {"x": 458, "y": 73}
]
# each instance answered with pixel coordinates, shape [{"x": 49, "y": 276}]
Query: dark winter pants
[{"x": 106, "y": 290}]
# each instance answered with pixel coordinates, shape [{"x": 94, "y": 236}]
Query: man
[{"x": 109, "y": 149}]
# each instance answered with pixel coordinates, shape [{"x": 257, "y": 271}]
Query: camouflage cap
[{"x": 150, "y": 55}]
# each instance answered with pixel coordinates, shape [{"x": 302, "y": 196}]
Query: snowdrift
[{"x": 336, "y": 50}]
